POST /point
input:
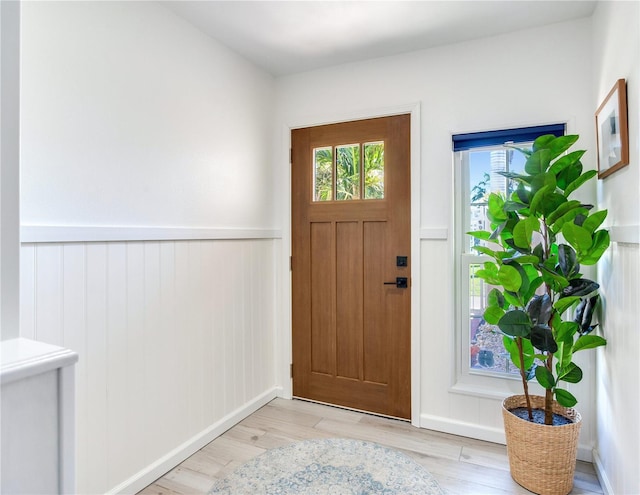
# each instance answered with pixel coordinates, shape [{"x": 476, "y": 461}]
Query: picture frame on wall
[{"x": 612, "y": 132}]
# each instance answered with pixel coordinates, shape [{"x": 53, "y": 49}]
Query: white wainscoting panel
[{"x": 172, "y": 337}]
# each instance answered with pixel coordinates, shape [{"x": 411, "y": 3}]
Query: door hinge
[
  {"x": 290, "y": 155},
  {"x": 290, "y": 263},
  {"x": 291, "y": 370}
]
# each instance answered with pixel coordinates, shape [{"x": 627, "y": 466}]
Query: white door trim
[{"x": 283, "y": 343}]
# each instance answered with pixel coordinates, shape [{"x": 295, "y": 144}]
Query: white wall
[
  {"x": 130, "y": 116},
  {"x": 133, "y": 118},
  {"x": 531, "y": 77},
  {"x": 616, "y": 47},
  {"x": 9, "y": 170}
]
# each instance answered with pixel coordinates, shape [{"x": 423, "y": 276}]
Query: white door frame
[{"x": 283, "y": 344}]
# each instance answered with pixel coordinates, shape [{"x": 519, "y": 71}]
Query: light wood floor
[{"x": 461, "y": 465}]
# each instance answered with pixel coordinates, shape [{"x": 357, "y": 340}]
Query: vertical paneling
[
  {"x": 97, "y": 366},
  {"x": 75, "y": 337},
  {"x": 172, "y": 337},
  {"x": 49, "y": 294},
  {"x": 618, "y": 401},
  {"x": 194, "y": 351},
  {"x": 239, "y": 319},
  {"x": 27, "y": 291},
  {"x": 117, "y": 380},
  {"x": 214, "y": 299},
  {"x": 137, "y": 453}
]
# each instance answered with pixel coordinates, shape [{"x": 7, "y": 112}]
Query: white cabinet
[{"x": 37, "y": 418}]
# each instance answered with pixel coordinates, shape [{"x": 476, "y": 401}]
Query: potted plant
[{"x": 540, "y": 237}]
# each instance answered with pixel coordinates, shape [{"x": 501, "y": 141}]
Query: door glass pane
[
  {"x": 374, "y": 170},
  {"x": 348, "y": 172},
  {"x": 323, "y": 174}
]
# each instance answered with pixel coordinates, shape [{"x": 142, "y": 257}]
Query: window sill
[{"x": 488, "y": 387}]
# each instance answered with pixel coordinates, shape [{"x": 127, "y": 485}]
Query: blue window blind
[{"x": 471, "y": 140}]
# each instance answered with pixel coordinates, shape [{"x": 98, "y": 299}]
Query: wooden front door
[{"x": 351, "y": 264}]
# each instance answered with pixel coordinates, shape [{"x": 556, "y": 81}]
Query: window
[
  {"x": 480, "y": 158},
  {"x": 339, "y": 174}
]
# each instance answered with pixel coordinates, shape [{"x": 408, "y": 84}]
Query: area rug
[{"x": 329, "y": 466}]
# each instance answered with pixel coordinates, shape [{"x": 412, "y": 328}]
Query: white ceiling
[{"x": 286, "y": 37}]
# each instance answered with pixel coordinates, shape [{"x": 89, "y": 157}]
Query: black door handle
[{"x": 400, "y": 283}]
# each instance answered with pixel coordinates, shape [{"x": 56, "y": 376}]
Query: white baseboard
[
  {"x": 602, "y": 474},
  {"x": 488, "y": 434},
  {"x": 455, "y": 427},
  {"x": 148, "y": 475}
]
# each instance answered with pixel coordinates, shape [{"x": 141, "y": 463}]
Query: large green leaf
[
  {"x": 515, "y": 323},
  {"x": 538, "y": 162},
  {"x": 522, "y": 259},
  {"x": 523, "y": 193},
  {"x": 522, "y": 179},
  {"x": 524, "y": 276},
  {"x": 540, "y": 197},
  {"x": 542, "y": 339},
  {"x": 565, "y": 330},
  {"x": 489, "y": 273},
  {"x": 495, "y": 298},
  {"x": 561, "y": 144},
  {"x": 539, "y": 309},
  {"x": 542, "y": 180},
  {"x": 486, "y": 250},
  {"x": 534, "y": 283},
  {"x": 513, "y": 299},
  {"x": 524, "y": 151},
  {"x": 584, "y": 314},
  {"x": 594, "y": 220},
  {"x": 569, "y": 217},
  {"x": 601, "y": 241},
  {"x": 509, "y": 278},
  {"x": 545, "y": 378},
  {"x": 563, "y": 354},
  {"x": 567, "y": 261},
  {"x": 561, "y": 305},
  {"x": 480, "y": 234},
  {"x": 588, "y": 342},
  {"x": 579, "y": 287},
  {"x": 514, "y": 206},
  {"x": 565, "y": 398},
  {"x": 569, "y": 174},
  {"x": 551, "y": 203},
  {"x": 495, "y": 211},
  {"x": 523, "y": 230},
  {"x": 551, "y": 277},
  {"x": 511, "y": 346},
  {"x": 589, "y": 174},
  {"x": 561, "y": 210},
  {"x": 569, "y": 159},
  {"x": 492, "y": 314},
  {"x": 579, "y": 237},
  {"x": 571, "y": 373},
  {"x": 543, "y": 142}
]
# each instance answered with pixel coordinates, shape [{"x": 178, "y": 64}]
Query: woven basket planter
[{"x": 542, "y": 458}]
